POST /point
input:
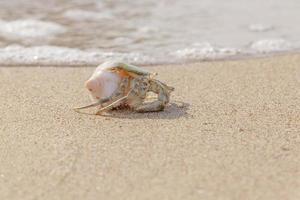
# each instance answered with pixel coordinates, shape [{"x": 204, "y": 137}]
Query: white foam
[
  {"x": 83, "y": 15},
  {"x": 271, "y": 45},
  {"x": 53, "y": 55},
  {"x": 203, "y": 51},
  {"x": 260, "y": 27},
  {"x": 29, "y": 29}
]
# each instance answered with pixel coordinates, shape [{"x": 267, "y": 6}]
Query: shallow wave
[
  {"x": 29, "y": 29},
  {"x": 53, "y": 55},
  {"x": 88, "y": 32},
  {"x": 60, "y": 56},
  {"x": 260, "y": 27},
  {"x": 204, "y": 51},
  {"x": 271, "y": 45}
]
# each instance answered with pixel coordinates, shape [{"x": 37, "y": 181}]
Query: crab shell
[{"x": 107, "y": 77}]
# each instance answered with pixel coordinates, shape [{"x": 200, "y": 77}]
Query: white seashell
[{"x": 102, "y": 83}]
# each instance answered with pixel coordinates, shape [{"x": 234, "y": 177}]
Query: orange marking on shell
[{"x": 123, "y": 73}]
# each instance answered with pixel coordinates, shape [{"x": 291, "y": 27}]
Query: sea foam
[
  {"x": 204, "y": 51},
  {"x": 271, "y": 45},
  {"x": 29, "y": 29},
  {"x": 53, "y": 55},
  {"x": 260, "y": 27}
]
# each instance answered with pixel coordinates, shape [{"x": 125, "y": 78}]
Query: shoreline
[
  {"x": 239, "y": 57},
  {"x": 230, "y": 132}
]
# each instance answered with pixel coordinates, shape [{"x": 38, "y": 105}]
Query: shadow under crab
[{"x": 174, "y": 110}]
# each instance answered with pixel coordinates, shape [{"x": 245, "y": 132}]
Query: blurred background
[{"x": 75, "y": 32}]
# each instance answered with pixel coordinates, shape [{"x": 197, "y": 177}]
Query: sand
[{"x": 231, "y": 132}]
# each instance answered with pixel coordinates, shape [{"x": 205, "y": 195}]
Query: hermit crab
[{"x": 118, "y": 85}]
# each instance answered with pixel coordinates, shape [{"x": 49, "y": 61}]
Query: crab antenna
[{"x": 89, "y": 106}]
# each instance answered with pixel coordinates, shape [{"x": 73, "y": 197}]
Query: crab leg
[
  {"x": 163, "y": 97},
  {"x": 114, "y": 103}
]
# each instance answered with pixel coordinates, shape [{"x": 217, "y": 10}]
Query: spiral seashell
[{"x": 103, "y": 82}]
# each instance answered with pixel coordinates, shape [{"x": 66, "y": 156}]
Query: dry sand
[{"x": 231, "y": 132}]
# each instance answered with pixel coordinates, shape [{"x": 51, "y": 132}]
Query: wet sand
[{"x": 230, "y": 132}]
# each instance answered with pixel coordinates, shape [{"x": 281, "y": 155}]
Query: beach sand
[{"x": 230, "y": 132}]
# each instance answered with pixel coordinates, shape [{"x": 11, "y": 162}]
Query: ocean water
[{"x": 88, "y": 32}]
